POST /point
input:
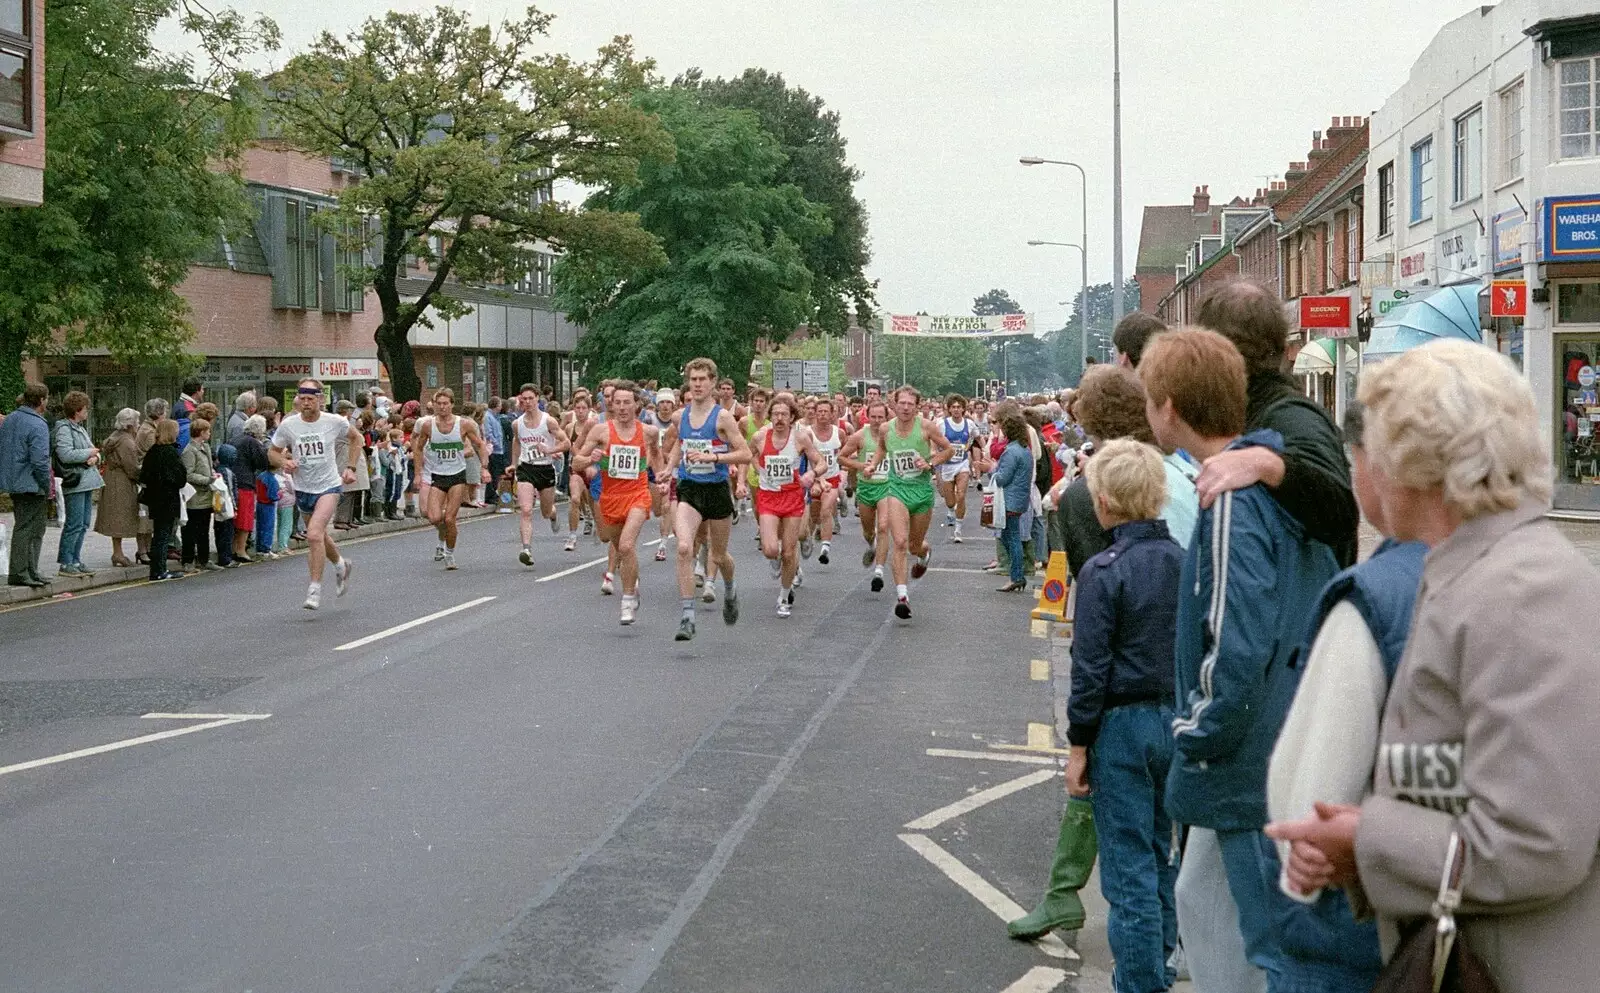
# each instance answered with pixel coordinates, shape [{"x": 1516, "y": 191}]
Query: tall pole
[
  {"x": 902, "y": 362},
  {"x": 1116, "y": 163},
  {"x": 1083, "y": 256},
  {"x": 827, "y": 357}
]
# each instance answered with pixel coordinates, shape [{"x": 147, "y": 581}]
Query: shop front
[
  {"x": 342, "y": 378},
  {"x": 1569, "y": 248},
  {"x": 1329, "y": 324}
]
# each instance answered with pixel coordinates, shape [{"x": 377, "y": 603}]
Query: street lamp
[
  {"x": 1083, "y": 178},
  {"x": 1083, "y": 309}
]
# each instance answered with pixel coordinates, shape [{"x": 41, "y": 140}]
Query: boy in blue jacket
[
  {"x": 1120, "y": 710},
  {"x": 1251, "y": 578}
]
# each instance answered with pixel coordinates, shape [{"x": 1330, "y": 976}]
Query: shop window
[
  {"x": 1578, "y": 303},
  {"x": 1422, "y": 180},
  {"x": 1578, "y": 450}
]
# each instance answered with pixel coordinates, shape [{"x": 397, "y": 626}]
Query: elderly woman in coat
[
  {"x": 1489, "y": 731},
  {"x": 155, "y": 411},
  {"x": 118, "y": 518}
]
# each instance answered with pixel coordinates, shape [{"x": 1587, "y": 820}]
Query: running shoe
[
  {"x": 685, "y": 629},
  {"x": 783, "y": 606},
  {"x": 438, "y": 552},
  {"x": 799, "y": 576},
  {"x": 588, "y": 526},
  {"x": 571, "y": 545},
  {"x": 790, "y": 596},
  {"x": 661, "y": 552},
  {"x": 919, "y": 568},
  {"x": 807, "y": 546},
  {"x": 630, "y": 609},
  {"x": 735, "y": 514},
  {"x": 709, "y": 594},
  {"x": 902, "y": 609},
  {"x": 877, "y": 581},
  {"x": 957, "y": 538},
  {"x": 730, "y": 607},
  {"x": 526, "y": 558},
  {"x": 553, "y": 525},
  {"x": 607, "y": 586},
  {"x": 822, "y": 553},
  {"x": 699, "y": 575},
  {"x": 341, "y": 576},
  {"x": 775, "y": 566},
  {"x": 313, "y": 596},
  {"x": 867, "y": 557},
  {"x": 449, "y": 561},
  {"x": 949, "y": 519}
]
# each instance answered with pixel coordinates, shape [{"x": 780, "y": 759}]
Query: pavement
[{"x": 478, "y": 781}]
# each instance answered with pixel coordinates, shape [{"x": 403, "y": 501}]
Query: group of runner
[{"x": 795, "y": 462}]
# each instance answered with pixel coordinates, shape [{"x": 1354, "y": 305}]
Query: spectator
[
  {"x": 474, "y": 470},
  {"x": 1131, "y": 334},
  {"x": 1488, "y": 733},
  {"x": 286, "y": 509},
  {"x": 155, "y": 410},
  {"x": 183, "y": 411},
  {"x": 211, "y": 414},
  {"x": 198, "y": 471},
  {"x": 78, "y": 460},
  {"x": 1310, "y": 477},
  {"x": 118, "y": 518},
  {"x": 162, "y": 476},
  {"x": 25, "y": 474},
  {"x": 244, "y": 405},
  {"x": 1013, "y": 475},
  {"x": 494, "y": 432},
  {"x": 267, "y": 406},
  {"x": 250, "y": 465},
  {"x": 1250, "y": 578}
]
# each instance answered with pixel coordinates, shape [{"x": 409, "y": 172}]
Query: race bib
[
  {"x": 310, "y": 450},
  {"x": 778, "y": 471},
  {"x": 533, "y": 455},
  {"x": 450, "y": 455},
  {"x": 905, "y": 463},
  {"x": 701, "y": 446},
  {"x": 624, "y": 462},
  {"x": 881, "y": 473}
]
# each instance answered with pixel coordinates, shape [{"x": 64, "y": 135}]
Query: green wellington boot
[{"x": 1074, "y": 861}]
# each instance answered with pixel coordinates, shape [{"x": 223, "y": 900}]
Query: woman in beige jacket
[{"x": 1492, "y": 727}]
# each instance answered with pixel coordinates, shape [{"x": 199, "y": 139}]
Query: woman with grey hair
[
  {"x": 265, "y": 524},
  {"x": 1487, "y": 757},
  {"x": 249, "y": 464},
  {"x": 155, "y": 411},
  {"x": 244, "y": 405},
  {"x": 118, "y": 517}
]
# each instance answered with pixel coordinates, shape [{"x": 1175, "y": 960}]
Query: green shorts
[
  {"x": 868, "y": 493},
  {"x": 916, "y": 495}
]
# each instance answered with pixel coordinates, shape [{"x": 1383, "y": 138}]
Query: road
[{"x": 522, "y": 795}]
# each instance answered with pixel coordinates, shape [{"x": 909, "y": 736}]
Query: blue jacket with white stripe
[{"x": 1251, "y": 579}]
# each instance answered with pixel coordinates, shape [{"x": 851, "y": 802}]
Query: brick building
[
  {"x": 22, "y": 102},
  {"x": 1174, "y": 274}
]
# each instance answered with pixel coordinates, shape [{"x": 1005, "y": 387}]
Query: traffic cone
[{"x": 1053, "y": 593}]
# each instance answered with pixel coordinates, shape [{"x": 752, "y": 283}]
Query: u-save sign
[{"x": 1334, "y": 316}]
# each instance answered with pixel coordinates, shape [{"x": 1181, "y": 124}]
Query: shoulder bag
[{"x": 1433, "y": 959}]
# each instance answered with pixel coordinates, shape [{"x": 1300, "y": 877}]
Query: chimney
[
  {"x": 1343, "y": 129},
  {"x": 1202, "y": 199}
]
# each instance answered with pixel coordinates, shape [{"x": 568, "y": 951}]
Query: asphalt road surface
[{"x": 521, "y": 794}]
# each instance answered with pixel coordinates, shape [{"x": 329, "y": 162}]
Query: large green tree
[
  {"x": 139, "y": 148},
  {"x": 1024, "y": 363},
  {"x": 816, "y": 162},
  {"x": 459, "y": 129},
  {"x": 732, "y": 233},
  {"x": 1065, "y": 341}
]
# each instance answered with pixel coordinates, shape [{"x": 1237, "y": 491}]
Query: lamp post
[
  {"x": 1083, "y": 177},
  {"x": 1116, "y": 162},
  {"x": 1083, "y": 309}
]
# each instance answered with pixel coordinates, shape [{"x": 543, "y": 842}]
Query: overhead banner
[{"x": 925, "y": 326}]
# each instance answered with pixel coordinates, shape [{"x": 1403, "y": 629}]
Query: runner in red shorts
[
  {"x": 624, "y": 451},
  {"x": 781, "y": 491}
]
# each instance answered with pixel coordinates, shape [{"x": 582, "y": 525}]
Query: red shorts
[
  {"x": 781, "y": 503},
  {"x": 245, "y": 509},
  {"x": 616, "y": 503},
  {"x": 836, "y": 482}
]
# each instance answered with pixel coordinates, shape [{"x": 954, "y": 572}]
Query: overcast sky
[{"x": 939, "y": 99}]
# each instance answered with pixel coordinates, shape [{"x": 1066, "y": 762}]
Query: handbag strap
[{"x": 1444, "y": 908}]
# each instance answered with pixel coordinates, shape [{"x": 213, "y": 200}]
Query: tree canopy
[
  {"x": 133, "y": 191},
  {"x": 459, "y": 130},
  {"x": 1065, "y": 341}
]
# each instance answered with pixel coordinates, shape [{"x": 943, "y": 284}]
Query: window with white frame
[
  {"x": 16, "y": 65},
  {"x": 1467, "y": 157},
  {"x": 1576, "y": 107},
  {"x": 1511, "y": 105},
  {"x": 1352, "y": 247},
  {"x": 1422, "y": 180},
  {"x": 1385, "y": 199}
]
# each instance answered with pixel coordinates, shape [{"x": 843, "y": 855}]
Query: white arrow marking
[
  {"x": 956, "y": 753},
  {"x": 1040, "y": 979},
  {"x": 929, "y": 821},
  {"x": 982, "y": 890},
  {"x": 210, "y": 721}
]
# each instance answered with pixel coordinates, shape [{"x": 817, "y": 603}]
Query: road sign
[
  {"x": 814, "y": 376},
  {"x": 788, "y": 374}
]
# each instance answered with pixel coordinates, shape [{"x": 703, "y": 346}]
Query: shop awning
[
  {"x": 1452, "y": 312},
  {"x": 1315, "y": 357}
]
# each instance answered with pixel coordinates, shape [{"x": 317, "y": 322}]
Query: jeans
[
  {"x": 1011, "y": 537},
  {"x": 280, "y": 541},
  {"x": 223, "y": 531},
  {"x": 266, "y": 525},
  {"x": 74, "y": 527},
  {"x": 1208, "y": 921},
  {"x": 1040, "y": 541},
  {"x": 161, "y": 525},
  {"x": 395, "y": 488},
  {"x": 27, "y": 535},
  {"x": 1128, "y": 770},
  {"x": 197, "y": 538}
]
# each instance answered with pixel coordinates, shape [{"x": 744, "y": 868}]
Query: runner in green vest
[
  {"x": 911, "y": 446},
  {"x": 871, "y": 487}
]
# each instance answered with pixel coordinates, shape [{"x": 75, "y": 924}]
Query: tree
[
  {"x": 1069, "y": 360},
  {"x": 731, "y": 231},
  {"x": 1023, "y": 362},
  {"x": 815, "y": 161},
  {"x": 459, "y": 131},
  {"x": 994, "y": 303},
  {"x": 133, "y": 190}
]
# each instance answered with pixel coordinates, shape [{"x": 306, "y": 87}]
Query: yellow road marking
[
  {"x": 1040, "y": 735},
  {"x": 1039, "y": 629},
  {"x": 1039, "y": 670}
]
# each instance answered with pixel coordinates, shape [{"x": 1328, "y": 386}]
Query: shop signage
[
  {"x": 1510, "y": 229},
  {"x": 1508, "y": 298},
  {"x": 1412, "y": 265},
  {"x": 1569, "y": 229},
  {"x": 1458, "y": 252},
  {"x": 1334, "y": 314},
  {"x": 346, "y": 368},
  {"x": 286, "y": 368},
  {"x": 1387, "y": 298},
  {"x": 1586, "y": 376},
  {"x": 232, "y": 373},
  {"x": 959, "y": 326}
]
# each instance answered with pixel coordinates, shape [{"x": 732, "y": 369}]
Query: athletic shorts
[
  {"x": 615, "y": 507},
  {"x": 543, "y": 477},
  {"x": 868, "y": 493},
  {"x": 950, "y": 470},
  {"x": 307, "y": 502},
  {"x": 595, "y": 487},
  {"x": 915, "y": 494},
  {"x": 836, "y": 482},
  {"x": 447, "y": 483},
  {"x": 781, "y": 503},
  {"x": 711, "y": 501}
]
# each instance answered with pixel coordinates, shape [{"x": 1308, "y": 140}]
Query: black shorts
[
  {"x": 446, "y": 483},
  {"x": 712, "y": 501},
  {"x": 543, "y": 477}
]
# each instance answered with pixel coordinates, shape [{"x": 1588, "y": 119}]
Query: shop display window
[{"x": 1578, "y": 411}]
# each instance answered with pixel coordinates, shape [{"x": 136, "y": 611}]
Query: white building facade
[{"x": 1485, "y": 166}]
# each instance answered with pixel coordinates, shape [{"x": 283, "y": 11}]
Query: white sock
[{"x": 900, "y": 590}]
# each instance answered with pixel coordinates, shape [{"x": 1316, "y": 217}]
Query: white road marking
[
  {"x": 982, "y": 890},
  {"x": 1040, "y": 979},
  {"x": 204, "y": 717},
  {"x": 564, "y": 573},
  {"x": 83, "y": 753},
  {"x": 408, "y": 625},
  {"x": 935, "y": 568},
  {"x": 967, "y": 805},
  {"x": 1026, "y": 760}
]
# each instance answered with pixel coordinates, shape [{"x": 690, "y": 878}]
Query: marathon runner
[
  {"x": 664, "y": 500},
  {"x": 580, "y": 504},
  {"x": 857, "y": 455},
  {"x": 623, "y": 450},
  {"x": 912, "y": 447},
  {"x": 955, "y": 474},
  {"x": 781, "y": 496},
  {"x": 439, "y": 448},
  {"x": 701, "y": 443},
  {"x": 829, "y": 436},
  {"x": 752, "y": 420},
  {"x": 319, "y": 450},
  {"x": 539, "y": 440}
]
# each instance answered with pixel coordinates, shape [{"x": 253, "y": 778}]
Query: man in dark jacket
[
  {"x": 1311, "y": 478},
  {"x": 25, "y": 474}
]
